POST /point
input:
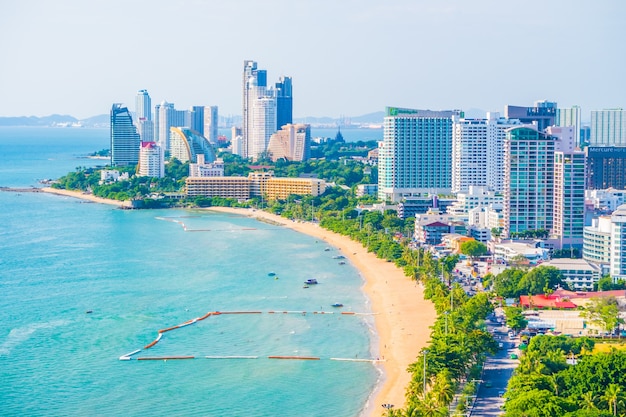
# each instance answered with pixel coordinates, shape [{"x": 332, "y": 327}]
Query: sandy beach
[
  {"x": 403, "y": 318},
  {"x": 82, "y": 196}
]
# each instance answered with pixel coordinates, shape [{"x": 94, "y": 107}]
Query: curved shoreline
[{"x": 404, "y": 317}]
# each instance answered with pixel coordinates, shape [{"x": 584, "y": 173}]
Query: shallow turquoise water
[{"x": 140, "y": 271}]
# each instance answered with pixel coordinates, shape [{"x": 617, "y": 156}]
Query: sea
[{"x": 84, "y": 284}]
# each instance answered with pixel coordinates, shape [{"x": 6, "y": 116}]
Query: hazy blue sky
[{"x": 346, "y": 57}]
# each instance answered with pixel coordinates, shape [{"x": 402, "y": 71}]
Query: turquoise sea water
[{"x": 140, "y": 271}]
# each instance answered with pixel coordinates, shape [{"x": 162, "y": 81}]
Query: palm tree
[
  {"x": 430, "y": 408},
  {"x": 443, "y": 389},
  {"x": 612, "y": 395},
  {"x": 588, "y": 401}
]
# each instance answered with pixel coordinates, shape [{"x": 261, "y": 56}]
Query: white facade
[
  {"x": 478, "y": 151},
  {"x": 151, "y": 160},
  {"x": 570, "y": 117},
  {"x": 202, "y": 169},
  {"x": 262, "y": 124},
  {"x": 597, "y": 242},
  {"x": 578, "y": 273},
  {"x": 606, "y": 199},
  {"x": 618, "y": 244},
  {"x": 475, "y": 196},
  {"x": 211, "y": 124},
  {"x": 415, "y": 156}
]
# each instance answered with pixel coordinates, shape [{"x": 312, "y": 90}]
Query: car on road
[
  {"x": 500, "y": 393},
  {"x": 513, "y": 356}
]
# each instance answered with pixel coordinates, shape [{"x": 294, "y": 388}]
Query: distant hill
[
  {"x": 103, "y": 120},
  {"x": 52, "y": 120}
]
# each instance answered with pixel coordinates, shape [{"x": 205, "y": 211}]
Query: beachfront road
[{"x": 496, "y": 374}]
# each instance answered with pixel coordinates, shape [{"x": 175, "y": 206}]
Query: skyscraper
[
  {"x": 478, "y": 152},
  {"x": 570, "y": 117},
  {"x": 211, "y": 124},
  {"x": 415, "y": 156},
  {"x": 608, "y": 128},
  {"x": 542, "y": 115},
  {"x": 569, "y": 188},
  {"x": 143, "y": 105},
  {"x": 260, "y": 109},
  {"x": 284, "y": 102},
  {"x": 196, "y": 115},
  {"x": 143, "y": 116},
  {"x": 528, "y": 180},
  {"x": 167, "y": 116},
  {"x": 292, "y": 143},
  {"x": 125, "y": 140}
]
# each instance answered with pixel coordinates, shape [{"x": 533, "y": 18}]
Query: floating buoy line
[{"x": 130, "y": 356}]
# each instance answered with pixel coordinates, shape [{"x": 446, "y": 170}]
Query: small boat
[
  {"x": 311, "y": 281},
  {"x": 338, "y": 257},
  {"x": 271, "y": 274},
  {"x": 305, "y": 286},
  {"x": 337, "y": 305},
  {"x": 342, "y": 263},
  {"x": 327, "y": 249}
]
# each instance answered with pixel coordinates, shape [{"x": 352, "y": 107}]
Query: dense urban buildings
[
  {"x": 124, "y": 137},
  {"x": 478, "y": 151},
  {"x": 265, "y": 109},
  {"x": 415, "y": 156},
  {"x": 187, "y": 144}
]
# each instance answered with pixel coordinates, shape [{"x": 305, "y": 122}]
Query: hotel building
[
  {"x": 478, "y": 152},
  {"x": 143, "y": 116},
  {"x": 606, "y": 167},
  {"x": 292, "y": 143},
  {"x": 257, "y": 184},
  {"x": 528, "y": 180},
  {"x": 187, "y": 144},
  {"x": 151, "y": 160},
  {"x": 415, "y": 156},
  {"x": 125, "y": 140}
]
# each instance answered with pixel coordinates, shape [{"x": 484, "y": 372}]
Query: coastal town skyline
[{"x": 345, "y": 59}]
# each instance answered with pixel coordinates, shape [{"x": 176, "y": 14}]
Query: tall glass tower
[
  {"x": 284, "y": 102},
  {"x": 125, "y": 141}
]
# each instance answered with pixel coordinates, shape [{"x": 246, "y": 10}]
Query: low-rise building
[{"x": 578, "y": 273}]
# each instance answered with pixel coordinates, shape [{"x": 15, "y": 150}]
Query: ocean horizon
[{"x": 84, "y": 284}]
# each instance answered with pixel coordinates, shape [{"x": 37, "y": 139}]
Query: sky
[{"x": 346, "y": 57}]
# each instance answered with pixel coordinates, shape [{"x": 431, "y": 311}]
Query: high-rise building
[
  {"x": 415, "y": 156},
  {"x": 570, "y": 117},
  {"x": 606, "y": 167},
  {"x": 167, "y": 116},
  {"x": 151, "y": 160},
  {"x": 196, "y": 115},
  {"x": 542, "y": 115},
  {"x": 478, "y": 152},
  {"x": 292, "y": 143},
  {"x": 569, "y": 188},
  {"x": 125, "y": 140},
  {"x": 528, "y": 180},
  {"x": 143, "y": 116},
  {"x": 260, "y": 109},
  {"x": 284, "y": 102},
  {"x": 187, "y": 144},
  {"x": 143, "y": 105},
  {"x": 211, "y": 121},
  {"x": 618, "y": 244},
  {"x": 608, "y": 128}
]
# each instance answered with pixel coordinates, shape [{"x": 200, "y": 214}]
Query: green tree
[
  {"x": 612, "y": 396},
  {"x": 514, "y": 318},
  {"x": 603, "y": 312},
  {"x": 473, "y": 248},
  {"x": 538, "y": 279}
]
